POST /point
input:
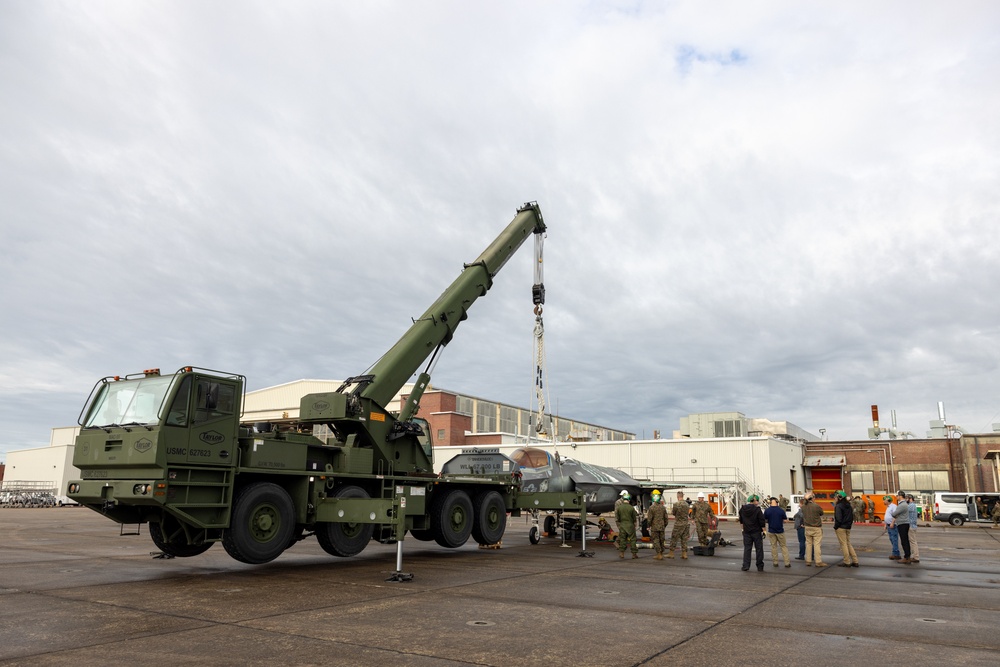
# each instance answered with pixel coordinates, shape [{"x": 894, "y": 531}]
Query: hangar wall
[{"x": 765, "y": 465}]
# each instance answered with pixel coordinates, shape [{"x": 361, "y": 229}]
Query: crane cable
[{"x": 538, "y": 299}]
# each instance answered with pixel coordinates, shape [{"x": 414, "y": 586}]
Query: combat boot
[
  {"x": 634, "y": 556},
  {"x": 658, "y": 556},
  {"x": 621, "y": 554},
  {"x": 671, "y": 554},
  {"x": 684, "y": 554}
]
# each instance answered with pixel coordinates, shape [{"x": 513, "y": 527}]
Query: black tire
[
  {"x": 489, "y": 517},
  {"x": 422, "y": 534},
  {"x": 533, "y": 535},
  {"x": 262, "y": 524},
  {"x": 956, "y": 519},
  {"x": 345, "y": 539},
  {"x": 175, "y": 547},
  {"x": 451, "y": 518},
  {"x": 550, "y": 525}
]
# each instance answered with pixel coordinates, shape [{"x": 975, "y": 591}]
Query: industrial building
[{"x": 712, "y": 449}]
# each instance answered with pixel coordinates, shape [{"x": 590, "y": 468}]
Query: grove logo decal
[
  {"x": 143, "y": 445},
  {"x": 321, "y": 406},
  {"x": 212, "y": 437}
]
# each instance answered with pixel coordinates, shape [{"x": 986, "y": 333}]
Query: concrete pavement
[{"x": 75, "y": 592}]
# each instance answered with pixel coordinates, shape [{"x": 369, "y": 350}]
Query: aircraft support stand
[{"x": 583, "y": 531}]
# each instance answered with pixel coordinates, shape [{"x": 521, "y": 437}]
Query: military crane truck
[{"x": 170, "y": 451}]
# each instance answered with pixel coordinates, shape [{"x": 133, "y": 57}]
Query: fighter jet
[{"x": 541, "y": 471}]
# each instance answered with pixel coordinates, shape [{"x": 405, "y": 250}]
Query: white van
[{"x": 957, "y": 507}]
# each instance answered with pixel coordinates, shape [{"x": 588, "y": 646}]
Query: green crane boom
[{"x": 436, "y": 327}]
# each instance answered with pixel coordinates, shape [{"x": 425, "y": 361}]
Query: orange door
[{"x": 825, "y": 482}]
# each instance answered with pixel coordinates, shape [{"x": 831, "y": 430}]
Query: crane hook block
[{"x": 538, "y": 294}]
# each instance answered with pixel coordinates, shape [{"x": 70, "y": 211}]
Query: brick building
[
  {"x": 460, "y": 420},
  {"x": 966, "y": 463}
]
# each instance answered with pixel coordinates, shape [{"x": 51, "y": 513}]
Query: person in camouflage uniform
[
  {"x": 857, "y": 507},
  {"x": 656, "y": 515},
  {"x": 703, "y": 515},
  {"x": 626, "y": 517},
  {"x": 679, "y": 535}
]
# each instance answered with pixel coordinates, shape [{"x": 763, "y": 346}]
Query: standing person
[
  {"x": 680, "y": 511},
  {"x": 843, "y": 519},
  {"x": 812, "y": 517},
  {"x": 901, "y": 520},
  {"x": 783, "y": 502},
  {"x": 914, "y": 519},
  {"x": 995, "y": 515},
  {"x": 626, "y": 517},
  {"x": 703, "y": 515},
  {"x": 871, "y": 508},
  {"x": 890, "y": 529},
  {"x": 800, "y": 532},
  {"x": 856, "y": 507},
  {"x": 864, "y": 507},
  {"x": 656, "y": 515},
  {"x": 752, "y": 519},
  {"x": 776, "y": 517}
]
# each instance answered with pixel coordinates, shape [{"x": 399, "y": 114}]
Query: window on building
[
  {"x": 924, "y": 480},
  {"x": 729, "y": 428},
  {"x": 463, "y": 405},
  {"x": 486, "y": 417},
  {"x": 440, "y": 434},
  {"x": 508, "y": 419},
  {"x": 862, "y": 481}
]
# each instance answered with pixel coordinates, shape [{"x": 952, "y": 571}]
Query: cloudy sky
[{"x": 785, "y": 209}]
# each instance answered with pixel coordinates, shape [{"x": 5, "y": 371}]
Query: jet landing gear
[{"x": 568, "y": 527}]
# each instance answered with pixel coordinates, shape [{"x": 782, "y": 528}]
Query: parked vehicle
[
  {"x": 957, "y": 507},
  {"x": 171, "y": 450}
]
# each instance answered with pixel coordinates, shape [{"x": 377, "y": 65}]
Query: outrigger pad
[{"x": 396, "y": 577}]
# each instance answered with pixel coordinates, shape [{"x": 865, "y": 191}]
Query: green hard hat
[{"x": 752, "y": 498}]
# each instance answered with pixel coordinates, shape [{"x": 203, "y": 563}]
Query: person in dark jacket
[
  {"x": 776, "y": 517},
  {"x": 843, "y": 519},
  {"x": 752, "y": 519}
]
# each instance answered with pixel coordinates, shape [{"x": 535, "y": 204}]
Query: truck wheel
[
  {"x": 345, "y": 539},
  {"x": 489, "y": 517},
  {"x": 451, "y": 518},
  {"x": 262, "y": 524},
  {"x": 533, "y": 535},
  {"x": 422, "y": 534},
  {"x": 550, "y": 525},
  {"x": 956, "y": 519},
  {"x": 177, "y": 546}
]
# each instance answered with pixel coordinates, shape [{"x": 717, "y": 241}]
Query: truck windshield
[{"x": 129, "y": 402}]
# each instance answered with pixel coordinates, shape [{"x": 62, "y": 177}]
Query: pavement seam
[{"x": 807, "y": 578}]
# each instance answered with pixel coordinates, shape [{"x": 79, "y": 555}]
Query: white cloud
[{"x": 786, "y": 213}]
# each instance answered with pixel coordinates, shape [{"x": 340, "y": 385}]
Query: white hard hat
[
  {"x": 623, "y": 494},
  {"x": 701, "y": 495}
]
